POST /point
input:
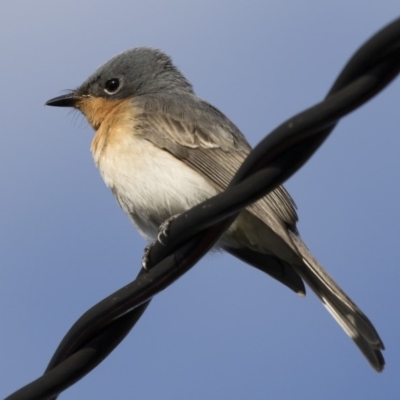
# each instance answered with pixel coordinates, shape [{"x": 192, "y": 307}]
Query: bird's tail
[{"x": 346, "y": 313}]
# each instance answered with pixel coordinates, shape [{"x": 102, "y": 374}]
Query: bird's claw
[
  {"x": 145, "y": 258},
  {"x": 164, "y": 228},
  {"x": 162, "y": 231}
]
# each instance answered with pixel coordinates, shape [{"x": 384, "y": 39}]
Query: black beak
[{"x": 67, "y": 100}]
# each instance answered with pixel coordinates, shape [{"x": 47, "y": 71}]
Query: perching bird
[{"x": 162, "y": 150}]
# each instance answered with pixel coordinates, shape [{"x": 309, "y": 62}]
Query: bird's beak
[{"x": 67, "y": 100}]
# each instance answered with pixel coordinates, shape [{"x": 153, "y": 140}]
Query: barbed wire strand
[{"x": 94, "y": 336}]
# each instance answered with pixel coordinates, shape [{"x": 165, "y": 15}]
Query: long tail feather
[{"x": 346, "y": 313}]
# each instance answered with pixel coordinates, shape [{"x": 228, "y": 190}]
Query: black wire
[{"x": 193, "y": 233}]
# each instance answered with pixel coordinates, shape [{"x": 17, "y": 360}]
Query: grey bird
[{"x": 162, "y": 150}]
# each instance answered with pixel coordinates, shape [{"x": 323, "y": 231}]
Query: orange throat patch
[{"x": 107, "y": 118}]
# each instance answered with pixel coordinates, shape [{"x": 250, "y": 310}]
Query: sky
[{"x": 224, "y": 330}]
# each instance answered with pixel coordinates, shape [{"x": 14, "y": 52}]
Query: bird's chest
[{"x": 149, "y": 183}]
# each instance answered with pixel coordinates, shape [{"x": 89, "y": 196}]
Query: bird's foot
[
  {"x": 162, "y": 232},
  {"x": 164, "y": 228},
  {"x": 145, "y": 258}
]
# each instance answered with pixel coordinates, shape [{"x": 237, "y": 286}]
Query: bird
[{"x": 161, "y": 150}]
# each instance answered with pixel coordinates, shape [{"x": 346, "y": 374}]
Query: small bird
[{"x": 162, "y": 150}]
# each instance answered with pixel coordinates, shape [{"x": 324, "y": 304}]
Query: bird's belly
[{"x": 150, "y": 184}]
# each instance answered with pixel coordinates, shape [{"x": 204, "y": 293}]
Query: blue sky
[{"x": 224, "y": 330}]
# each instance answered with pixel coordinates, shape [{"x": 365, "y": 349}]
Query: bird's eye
[{"x": 112, "y": 86}]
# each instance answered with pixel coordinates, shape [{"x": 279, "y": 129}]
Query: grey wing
[{"x": 203, "y": 138}]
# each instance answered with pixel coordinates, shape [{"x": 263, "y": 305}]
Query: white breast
[{"x": 150, "y": 184}]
